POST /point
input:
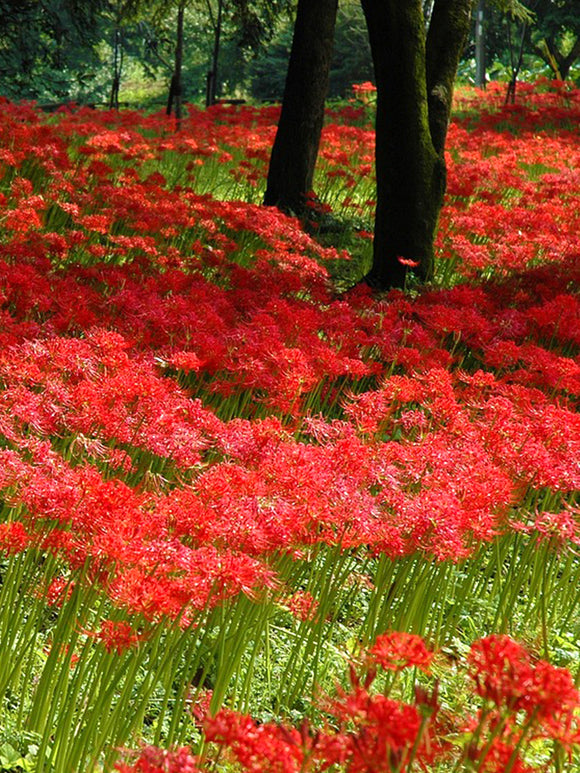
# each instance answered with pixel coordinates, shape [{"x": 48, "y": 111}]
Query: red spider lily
[
  {"x": 14, "y": 537},
  {"x": 408, "y": 262},
  {"x": 272, "y": 748},
  {"x": 371, "y": 732},
  {"x": 397, "y": 650},
  {"x": 115, "y": 636},
  {"x": 302, "y": 605},
  {"x": 154, "y": 760},
  {"x": 184, "y": 398},
  {"x": 505, "y": 673}
]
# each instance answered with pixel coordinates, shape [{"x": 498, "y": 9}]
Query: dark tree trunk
[
  {"x": 175, "y": 88},
  {"x": 516, "y": 63},
  {"x": 114, "y": 97},
  {"x": 169, "y": 108},
  {"x": 480, "y": 81},
  {"x": 211, "y": 87},
  {"x": 295, "y": 149},
  {"x": 414, "y": 77},
  {"x": 117, "y": 70}
]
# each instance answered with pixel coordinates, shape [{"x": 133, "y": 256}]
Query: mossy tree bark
[
  {"x": 295, "y": 148},
  {"x": 414, "y": 75}
]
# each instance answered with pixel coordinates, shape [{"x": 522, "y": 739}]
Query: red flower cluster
[
  {"x": 506, "y": 674},
  {"x": 370, "y": 732},
  {"x": 186, "y": 405},
  {"x": 154, "y": 760},
  {"x": 396, "y": 650},
  {"x": 115, "y": 636},
  {"x": 120, "y": 332}
]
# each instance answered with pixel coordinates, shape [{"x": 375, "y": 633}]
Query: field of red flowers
[{"x": 227, "y": 481}]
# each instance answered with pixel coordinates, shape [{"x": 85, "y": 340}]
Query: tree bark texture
[
  {"x": 414, "y": 76},
  {"x": 295, "y": 148}
]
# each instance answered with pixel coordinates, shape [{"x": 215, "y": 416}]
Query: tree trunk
[
  {"x": 516, "y": 63},
  {"x": 211, "y": 87},
  {"x": 480, "y": 45},
  {"x": 175, "y": 89},
  {"x": 295, "y": 149},
  {"x": 566, "y": 62},
  {"x": 558, "y": 63},
  {"x": 117, "y": 69},
  {"x": 414, "y": 79}
]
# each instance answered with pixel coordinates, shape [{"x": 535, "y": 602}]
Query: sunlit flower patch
[{"x": 222, "y": 475}]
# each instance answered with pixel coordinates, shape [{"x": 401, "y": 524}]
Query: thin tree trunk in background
[
  {"x": 178, "y": 90},
  {"x": 175, "y": 88},
  {"x": 414, "y": 78},
  {"x": 295, "y": 149},
  {"x": 212, "y": 76},
  {"x": 516, "y": 64},
  {"x": 169, "y": 108},
  {"x": 480, "y": 80},
  {"x": 117, "y": 70}
]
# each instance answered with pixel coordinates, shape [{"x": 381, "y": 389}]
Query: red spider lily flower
[
  {"x": 408, "y": 262},
  {"x": 505, "y": 673},
  {"x": 273, "y": 748},
  {"x": 154, "y": 760},
  {"x": 302, "y": 605},
  {"x": 499, "y": 754},
  {"x": 384, "y": 731},
  {"x": 59, "y": 591},
  {"x": 115, "y": 636},
  {"x": 14, "y": 538},
  {"x": 397, "y": 650},
  {"x": 501, "y": 669}
]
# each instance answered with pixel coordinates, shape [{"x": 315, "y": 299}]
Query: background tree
[
  {"x": 117, "y": 11},
  {"x": 351, "y": 58},
  {"x": 175, "y": 97},
  {"x": 85, "y": 50},
  {"x": 212, "y": 75},
  {"x": 239, "y": 26},
  {"x": 480, "y": 78},
  {"x": 550, "y": 43},
  {"x": 293, "y": 158},
  {"x": 255, "y": 24},
  {"x": 154, "y": 16},
  {"x": 49, "y": 50},
  {"x": 415, "y": 74},
  {"x": 555, "y": 36},
  {"x": 516, "y": 47}
]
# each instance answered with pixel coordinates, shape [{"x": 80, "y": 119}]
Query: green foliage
[
  {"x": 268, "y": 71},
  {"x": 556, "y": 34},
  {"x": 49, "y": 50},
  {"x": 62, "y": 50},
  {"x": 514, "y": 9},
  {"x": 18, "y": 751},
  {"x": 551, "y": 29},
  {"x": 351, "y": 61}
]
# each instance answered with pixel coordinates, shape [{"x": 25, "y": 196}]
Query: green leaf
[
  {"x": 516, "y": 9},
  {"x": 9, "y": 756}
]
